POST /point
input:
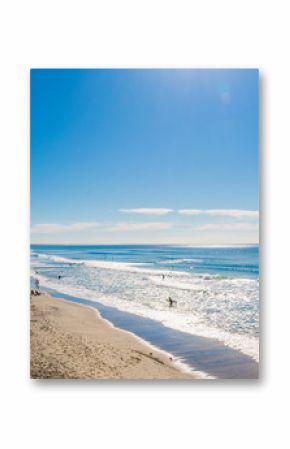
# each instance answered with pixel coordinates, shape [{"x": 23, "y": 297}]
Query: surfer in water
[{"x": 171, "y": 302}]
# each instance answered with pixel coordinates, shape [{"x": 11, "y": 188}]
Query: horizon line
[{"x": 152, "y": 243}]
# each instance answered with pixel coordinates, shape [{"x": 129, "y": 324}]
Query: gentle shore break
[{"x": 71, "y": 341}]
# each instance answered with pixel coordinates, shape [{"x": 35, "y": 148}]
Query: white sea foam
[
  {"x": 174, "y": 261},
  {"x": 172, "y": 282},
  {"x": 108, "y": 265},
  {"x": 59, "y": 259},
  {"x": 209, "y": 306}
]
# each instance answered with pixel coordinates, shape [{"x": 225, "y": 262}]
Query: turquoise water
[{"x": 216, "y": 288}]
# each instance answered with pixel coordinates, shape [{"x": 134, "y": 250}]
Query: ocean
[{"x": 216, "y": 289}]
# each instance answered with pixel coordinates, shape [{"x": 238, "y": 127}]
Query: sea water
[{"x": 216, "y": 289}]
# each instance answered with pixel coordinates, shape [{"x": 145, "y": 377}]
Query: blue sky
[{"x": 144, "y": 156}]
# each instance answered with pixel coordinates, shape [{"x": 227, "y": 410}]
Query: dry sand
[{"x": 69, "y": 340}]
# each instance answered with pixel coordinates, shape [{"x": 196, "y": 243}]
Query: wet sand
[
  {"x": 70, "y": 340},
  {"x": 206, "y": 355}
]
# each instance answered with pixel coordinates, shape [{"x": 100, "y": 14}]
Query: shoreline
[
  {"x": 245, "y": 344},
  {"x": 72, "y": 340},
  {"x": 207, "y": 357}
]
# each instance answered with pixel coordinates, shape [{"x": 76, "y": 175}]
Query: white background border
[{"x": 144, "y": 34}]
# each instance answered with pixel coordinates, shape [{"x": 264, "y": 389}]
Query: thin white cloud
[
  {"x": 236, "y": 213},
  {"x": 49, "y": 228},
  {"x": 153, "y": 226},
  {"x": 228, "y": 227},
  {"x": 147, "y": 211}
]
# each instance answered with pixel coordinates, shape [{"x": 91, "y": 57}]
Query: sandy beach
[{"x": 71, "y": 341}]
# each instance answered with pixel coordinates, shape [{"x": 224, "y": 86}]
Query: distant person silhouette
[
  {"x": 171, "y": 302},
  {"x": 36, "y": 284}
]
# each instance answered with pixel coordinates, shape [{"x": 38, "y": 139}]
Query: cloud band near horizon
[
  {"x": 147, "y": 211},
  {"x": 235, "y": 213},
  {"x": 52, "y": 228},
  {"x": 48, "y": 228}
]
